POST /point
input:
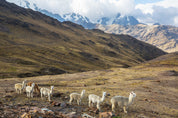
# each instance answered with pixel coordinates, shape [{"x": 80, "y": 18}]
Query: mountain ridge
[
  {"x": 80, "y": 19},
  {"x": 34, "y": 44},
  {"x": 162, "y": 36}
]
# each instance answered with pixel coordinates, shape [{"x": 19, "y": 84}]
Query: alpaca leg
[
  {"x": 49, "y": 97},
  {"x": 124, "y": 109},
  {"x": 89, "y": 103},
  {"x": 32, "y": 95},
  {"x": 98, "y": 106},
  {"x": 41, "y": 96},
  {"x": 70, "y": 101},
  {"x": 113, "y": 107},
  {"x": 78, "y": 102}
]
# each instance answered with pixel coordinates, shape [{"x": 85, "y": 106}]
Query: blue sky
[{"x": 146, "y": 1}]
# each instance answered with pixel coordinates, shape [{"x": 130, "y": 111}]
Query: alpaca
[
  {"x": 20, "y": 86},
  {"x": 76, "y": 96},
  {"x": 46, "y": 92},
  {"x": 122, "y": 101},
  {"x": 29, "y": 90},
  {"x": 96, "y": 99},
  {"x": 36, "y": 88}
]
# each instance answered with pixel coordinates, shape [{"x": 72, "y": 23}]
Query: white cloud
[
  {"x": 93, "y": 9},
  {"x": 164, "y": 12},
  {"x": 176, "y": 20}
]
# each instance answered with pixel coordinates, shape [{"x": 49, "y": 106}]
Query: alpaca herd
[{"x": 120, "y": 101}]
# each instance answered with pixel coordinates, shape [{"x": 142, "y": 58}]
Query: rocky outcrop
[{"x": 162, "y": 36}]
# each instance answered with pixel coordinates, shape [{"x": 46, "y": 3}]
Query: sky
[{"x": 146, "y": 11}]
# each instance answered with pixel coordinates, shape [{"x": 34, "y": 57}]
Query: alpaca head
[
  {"x": 33, "y": 84},
  {"x": 132, "y": 95},
  {"x": 24, "y": 84},
  {"x": 103, "y": 97},
  {"x": 104, "y": 94},
  {"x": 82, "y": 93},
  {"x": 52, "y": 87},
  {"x": 24, "y": 81}
]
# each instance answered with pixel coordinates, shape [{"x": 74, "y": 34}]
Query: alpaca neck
[
  {"x": 51, "y": 90},
  {"x": 23, "y": 85},
  {"x": 102, "y": 99},
  {"x": 82, "y": 94},
  {"x": 131, "y": 98},
  {"x": 32, "y": 88}
]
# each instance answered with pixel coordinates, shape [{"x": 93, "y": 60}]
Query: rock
[
  {"x": 142, "y": 116},
  {"x": 25, "y": 115},
  {"x": 69, "y": 115},
  {"x": 63, "y": 105},
  {"x": 46, "y": 110},
  {"x": 57, "y": 94},
  {"x": 105, "y": 115},
  {"x": 84, "y": 115},
  {"x": 96, "y": 111},
  {"x": 7, "y": 96},
  {"x": 35, "y": 110}
]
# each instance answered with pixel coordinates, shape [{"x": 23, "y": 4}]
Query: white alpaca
[
  {"x": 29, "y": 90},
  {"x": 76, "y": 96},
  {"x": 20, "y": 86},
  {"x": 96, "y": 99},
  {"x": 46, "y": 92},
  {"x": 122, "y": 101}
]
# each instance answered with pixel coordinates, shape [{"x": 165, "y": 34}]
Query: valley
[
  {"x": 34, "y": 44},
  {"x": 40, "y": 49}
]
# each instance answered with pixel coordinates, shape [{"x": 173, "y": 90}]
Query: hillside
[
  {"x": 155, "y": 85},
  {"x": 170, "y": 59},
  {"x": 34, "y": 44},
  {"x": 162, "y": 36}
]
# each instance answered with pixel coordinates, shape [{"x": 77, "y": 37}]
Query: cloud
[
  {"x": 93, "y": 9},
  {"x": 164, "y": 11}
]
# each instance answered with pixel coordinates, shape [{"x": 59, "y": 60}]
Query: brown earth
[{"x": 156, "y": 89}]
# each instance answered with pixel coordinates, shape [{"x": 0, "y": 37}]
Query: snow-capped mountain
[
  {"x": 118, "y": 19},
  {"x": 125, "y": 20},
  {"x": 79, "y": 19}
]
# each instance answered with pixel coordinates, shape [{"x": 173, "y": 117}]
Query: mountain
[
  {"x": 162, "y": 36},
  {"x": 35, "y": 44},
  {"x": 118, "y": 19},
  {"x": 79, "y": 19}
]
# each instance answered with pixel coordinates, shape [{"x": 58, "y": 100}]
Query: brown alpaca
[{"x": 36, "y": 88}]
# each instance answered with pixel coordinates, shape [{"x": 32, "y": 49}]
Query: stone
[
  {"x": 35, "y": 110},
  {"x": 63, "y": 105},
  {"x": 46, "y": 110},
  {"x": 25, "y": 115},
  {"x": 105, "y": 115},
  {"x": 69, "y": 115}
]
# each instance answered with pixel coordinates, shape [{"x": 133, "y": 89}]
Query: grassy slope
[
  {"x": 34, "y": 43},
  {"x": 156, "y": 88}
]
